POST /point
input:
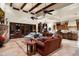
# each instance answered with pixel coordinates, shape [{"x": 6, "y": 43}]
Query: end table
[{"x": 31, "y": 47}]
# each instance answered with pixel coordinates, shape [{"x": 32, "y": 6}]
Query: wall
[
  {"x": 73, "y": 24},
  {"x": 18, "y": 17},
  {"x": 2, "y": 6}
]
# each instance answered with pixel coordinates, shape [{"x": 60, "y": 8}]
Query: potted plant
[{"x": 1, "y": 41}]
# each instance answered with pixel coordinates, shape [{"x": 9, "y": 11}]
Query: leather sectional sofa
[{"x": 48, "y": 45}]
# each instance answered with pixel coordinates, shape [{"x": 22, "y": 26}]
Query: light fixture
[{"x": 33, "y": 17}]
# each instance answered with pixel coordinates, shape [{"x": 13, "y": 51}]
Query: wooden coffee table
[{"x": 31, "y": 47}]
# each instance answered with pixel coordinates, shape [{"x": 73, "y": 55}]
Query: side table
[{"x": 31, "y": 47}]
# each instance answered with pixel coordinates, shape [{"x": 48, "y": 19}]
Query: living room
[{"x": 22, "y": 22}]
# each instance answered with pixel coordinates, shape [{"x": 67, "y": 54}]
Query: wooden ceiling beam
[
  {"x": 35, "y": 6},
  {"x": 45, "y": 7},
  {"x": 23, "y": 5},
  {"x": 25, "y": 11},
  {"x": 11, "y": 4},
  {"x": 16, "y": 8}
]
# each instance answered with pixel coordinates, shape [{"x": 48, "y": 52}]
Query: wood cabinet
[
  {"x": 18, "y": 30},
  {"x": 74, "y": 36},
  {"x": 58, "y": 25},
  {"x": 63, "y": 26},
  {"x": 77, "y": 25},
  {"x": 70, "y": 36}
]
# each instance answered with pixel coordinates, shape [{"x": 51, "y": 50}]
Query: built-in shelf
[{"x": 19, "y": 30}]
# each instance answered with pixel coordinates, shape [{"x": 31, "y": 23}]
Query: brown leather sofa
[
  {"x": 49, "y": 45},
  {"x": 47, "y": 34}
]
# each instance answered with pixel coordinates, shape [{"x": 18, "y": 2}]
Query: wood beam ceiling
[
  {"x": 11, "y": 4},
  {"x": 45, "y": 7},
  {"x": 23, "y": 5},
  {"x": 38, "y": 4},
  {"x": 35, "y": 6},
  {"x": 25, "y": 11}
]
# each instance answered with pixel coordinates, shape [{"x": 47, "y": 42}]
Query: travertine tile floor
[{"x": 16, "y": 47}]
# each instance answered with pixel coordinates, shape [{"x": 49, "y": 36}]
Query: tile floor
[{"x": 16, "y": 47}]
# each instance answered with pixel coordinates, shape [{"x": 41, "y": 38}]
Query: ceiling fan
[
  {"x": 33, "y": 18},
  {"x": 48, "y": 12}
]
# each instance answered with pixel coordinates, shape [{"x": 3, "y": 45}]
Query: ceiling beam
[
  {"x": 25, "y": 11},
  {"x": 45, "y": 7},
  {"x": 35, "y": 6},
  {"x": 32, "y": 13},
  {"x": 16, "y": 8},
  {"x": 23, "y": 5},
  {"x": 11, "y": 4}
]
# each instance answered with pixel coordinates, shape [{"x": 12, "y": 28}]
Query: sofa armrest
[{"x": 39, "y": 43}]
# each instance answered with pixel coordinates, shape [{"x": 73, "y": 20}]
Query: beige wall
[
  {"x": 18, "y": 17},
  {"x": 72, "y": 23}
]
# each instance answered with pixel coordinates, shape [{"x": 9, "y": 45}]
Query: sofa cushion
[{"x": 42, "y": 39}]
